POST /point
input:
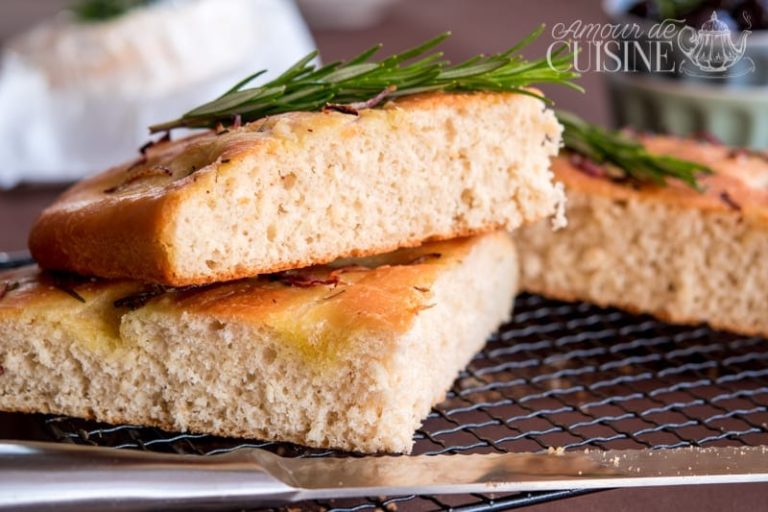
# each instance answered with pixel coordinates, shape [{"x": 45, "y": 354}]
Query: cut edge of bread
[
  {"x": 192, "y": 372},
  {"x": 679, "y": 262},
  {"x": 305, "y": 188}
]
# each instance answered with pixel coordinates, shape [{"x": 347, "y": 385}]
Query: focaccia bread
[
  {"x": 681, "y": 255},
  {"x": 349, "y": 356},
  {"x": 306, "y": 188}
]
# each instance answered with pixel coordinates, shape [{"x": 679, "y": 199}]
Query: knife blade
[
  {"x": 15, "y": 259},
  {"x": 35, "y": 476}
]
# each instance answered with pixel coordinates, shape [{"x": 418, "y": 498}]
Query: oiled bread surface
[
  {"x": 350, "y": 356},
  {"x": 306, "y": 188}
]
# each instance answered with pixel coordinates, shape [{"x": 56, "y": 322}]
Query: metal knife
[
  {"x": 15, "y": 259},
  {"x": 37, "y": 476}
]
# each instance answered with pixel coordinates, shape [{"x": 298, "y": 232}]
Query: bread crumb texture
[
  {"x": 681, "y": 255},
  {"x": 307, "y": 188},
  {"x": 349, "y": 356}
]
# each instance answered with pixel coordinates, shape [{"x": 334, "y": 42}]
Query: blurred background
[
  {"x": 77, "y": 96},
  {"x": 80, "y": 80},
  {"x": 339, "y": 28}
]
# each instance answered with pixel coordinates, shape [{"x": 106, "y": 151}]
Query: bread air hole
[
  {"x": 288, "y": 181},
  {"x": 269, "y": 355},
  {"x": 271, "y": 232},
  {"x": 467, "y": 197}
]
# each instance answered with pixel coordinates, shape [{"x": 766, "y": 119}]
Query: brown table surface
[{"x": 478, "y": 26}]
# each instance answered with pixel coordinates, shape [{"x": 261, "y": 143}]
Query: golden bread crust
[
  {"x": 741, "y": 175},
  {"x": 384, "y": 296},
  {"x": 124, "y": 223}
]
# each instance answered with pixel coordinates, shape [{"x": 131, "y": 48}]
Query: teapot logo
[{"x": 711, "y": 50}]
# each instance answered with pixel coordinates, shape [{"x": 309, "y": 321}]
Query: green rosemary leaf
[
  {"x": 472, "y": 70},
  {"x": 625, "y": 154},
  {"x": 416, "y": 90},
  {"x": 350, "y": 72},
  {"x": 525, "y": 41},
  {"x": 302, "y": 66},
  {"x": 94, "y": 11},
  {"x": 365, "y": 55},
  {"x": 245, "y": 81},
  {"x": 229, "y": 104},
  {"x": 418, "y": 50}
]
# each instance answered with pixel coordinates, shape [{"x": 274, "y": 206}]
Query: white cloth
[{"x": 76, "y": 98}]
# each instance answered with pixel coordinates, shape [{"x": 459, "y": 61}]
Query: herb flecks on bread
[
  {"x": 616, "y": 155},
  {"x": 350, "y": 356},
  {"x": 682, "y": 255}
]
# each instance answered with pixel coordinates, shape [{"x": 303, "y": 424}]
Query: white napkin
[{"x": 60, "y": 122}]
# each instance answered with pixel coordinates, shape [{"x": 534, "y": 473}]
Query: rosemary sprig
[
  {"x": 103, "y": 10},
  {"x": 363, "y": 82},
  {"x": 628, "y": 156}
]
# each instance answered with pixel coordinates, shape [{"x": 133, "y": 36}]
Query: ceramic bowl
[{"x": 732, "y": 105}]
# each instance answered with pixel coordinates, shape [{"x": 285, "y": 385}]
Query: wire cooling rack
[{"x": 558, "y": 375}]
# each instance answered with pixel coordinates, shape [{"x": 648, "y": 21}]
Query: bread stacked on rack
[{"x": 314, "y": 277}]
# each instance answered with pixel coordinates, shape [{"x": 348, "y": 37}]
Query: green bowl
[
  {"x": 737, "y": 116},
  {"x": 732, "y": 106}
]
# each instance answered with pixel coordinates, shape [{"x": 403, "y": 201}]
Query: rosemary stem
[{"x": 363, "y": 81}]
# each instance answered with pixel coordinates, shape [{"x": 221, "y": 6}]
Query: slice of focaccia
[
  {"x": 349, "y": 356},
  {"x": 682, "y": 255},
  {"x": 307, "y": 188}
]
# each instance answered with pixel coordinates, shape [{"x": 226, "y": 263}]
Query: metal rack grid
[{"x": 558, "y": 375}]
